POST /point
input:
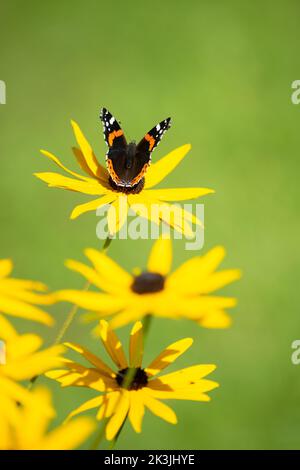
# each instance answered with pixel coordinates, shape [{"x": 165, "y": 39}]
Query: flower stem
[
  {"x": 130, "y": 375},
  {"x": 68, "y": 321},
  {"x": 99, "y": 437},
  {"x": 146, "y": 325}
]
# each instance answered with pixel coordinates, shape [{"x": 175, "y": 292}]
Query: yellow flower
[
  {"x": 117, "y": 401},
  {"x": 17, "y": 296},
  {"x": 28, "y": 430},
  {"x": 141, "y": 200},
  {"x": 22, "y": 360},
  {"x": 184, "y": 293}
]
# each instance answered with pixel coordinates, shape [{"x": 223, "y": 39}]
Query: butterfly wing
[
  {"x": 146, "y": 146},
  {"x": 113, "y": 134},
  {"x": 153, "y": 137},
  {"x": 127, "y": 164},
  {"x": 117, "y": 145}
]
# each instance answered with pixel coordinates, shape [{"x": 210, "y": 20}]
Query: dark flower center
[
  {"x": 136, "y": 189},
  {"x": 137, "y": 378},
  {"x": 147, "y": 283}
]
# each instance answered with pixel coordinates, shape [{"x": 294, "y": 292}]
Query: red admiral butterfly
[{"x": 128, "y": 163}]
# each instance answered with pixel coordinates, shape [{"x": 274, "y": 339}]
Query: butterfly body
[{"x": 127, "y": 163}]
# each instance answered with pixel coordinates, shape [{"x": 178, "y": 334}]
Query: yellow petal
[
  {"x": 215, "y": 319},
  {"x": 118, "y": 417},
  {"x": 21, "y": 309},
  {"x": 182, "y": 377},
  {"x": 80, "y": 376},
  {"x": 102, "y": 173},
  {"x": 13, "y": 288},
  {"x": 195, "y": 391},
  {"x": 136, "y": 410},
  {"x": 182, "y": 395},
  {"x": 22, "y": 284},
  {"x": 14, "y": 391},
  {"x": 218, "y": 280},
  {"x": 68, "y": 436},
  {"x": 160, "y": 259},
  {"x": 113, "y": 345},
  {"x": 104, "y": 281},
  {"x": 9, "y": 411},
  {"x": 174, "y": 216},
  {"x": 91, "y": 205},
  {"x": 35, "y": 364},
  {"x": 88, "y": 405},
  {"x": 156, "y": 211},
  {"x": 87, "y": 151},
  {"x": 109, "y": 405},
  {"x": 23, "y": 345},
  {"x": 55, "y": 180},
  {"x": 6, "y": 267},
  {"x": 169, "y": 355},
  {"x": 108, "y": 268},
  {"x": 95, "y": 301},
  {"x": 90, "y": 274},
  {"x": 96, "y": 361},
  {"x": 142, "y": 206},
  {"x": 178, "y": 194},
  {"x": 189, "y": 276},
  {"x": 117, "y": 214},
  {"x": 158, "y": 171},
  {"x": 136, "y": 345},
  {"x": 7, "y": 331},
  {"x": 35, "y": 417},
  {"x": 128, "y": 315},
  {"x": 197, "y": 307},
  {"x": 63, "y": 167},
  {"x": 158, "y": 408}
]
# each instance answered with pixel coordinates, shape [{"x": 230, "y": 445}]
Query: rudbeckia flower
[
  {"x": 119, "y": 397},
  {"x": 97, "y": 182},
  {"x": 22, "y": 360},
  {"x": 28, "y": 430},
  {"x": 185, "y": 293},
  {"x": 19, "y": 297}
]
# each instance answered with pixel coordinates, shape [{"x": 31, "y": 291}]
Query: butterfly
[{"x": 128, "y": 163}]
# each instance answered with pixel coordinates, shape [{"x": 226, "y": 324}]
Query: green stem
[
  {"x": 99, "y": 437},
  {"x": 146, "y": 325},
  {"x": 68, "y": 321},
  {"x": 130, "y": 375}
]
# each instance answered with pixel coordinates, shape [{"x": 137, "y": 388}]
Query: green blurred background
[{"x": 223, "y": 71}]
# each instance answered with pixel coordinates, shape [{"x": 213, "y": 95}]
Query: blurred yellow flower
[
  {"x": 22, "y": 361},
  {"x": 98, "y": 183},
  {"x": 121, "y": 398},
  {"x": 185, "y": 293},
  {"x": 28, "y": 429},
  {"x": 17, "y": 296}
]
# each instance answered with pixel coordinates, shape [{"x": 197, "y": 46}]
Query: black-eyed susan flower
[
  {"x": 119, "y": 397},
  {"x": 19, "y": 297},
  {"x": 22, "y": 360},
  {"x": 28, "y": 427},
  {"x": 185, "y": 293},
  {"x": 97, "y": 182}
]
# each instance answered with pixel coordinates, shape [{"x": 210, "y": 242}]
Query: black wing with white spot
[
  {"x": 113, "y": 134},
  {"x": 153, "y": 137}
]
